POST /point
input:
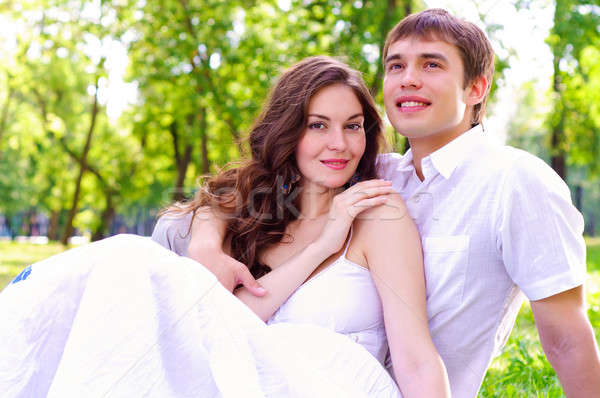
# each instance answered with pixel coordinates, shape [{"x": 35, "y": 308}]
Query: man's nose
[{"x": 410, "y": 77}]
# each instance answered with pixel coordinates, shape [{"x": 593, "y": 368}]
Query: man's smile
[{"x": 412, "y": 103}]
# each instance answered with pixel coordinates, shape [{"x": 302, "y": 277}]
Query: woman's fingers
[
  {"x": 365, "y": 204},
  {"x": 366, "y": 189},
  {"x": 368, "y": 184},
  {"x": 370, "y": 192}
]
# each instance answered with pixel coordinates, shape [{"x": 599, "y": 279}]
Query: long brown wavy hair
[{"x": 257, "y": 198}]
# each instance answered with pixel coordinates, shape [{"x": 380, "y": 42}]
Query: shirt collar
[
  {"x": 447, "y": 158},
  {"x": 405, "y": 164}
]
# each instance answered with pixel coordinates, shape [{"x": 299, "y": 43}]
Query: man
[{"x": 494, "y": 221}]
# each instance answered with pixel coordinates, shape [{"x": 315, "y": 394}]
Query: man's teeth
[{"x": 412, "y": 103}]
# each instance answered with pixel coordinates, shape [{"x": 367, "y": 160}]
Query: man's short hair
[{"x": 474, "y": 47}]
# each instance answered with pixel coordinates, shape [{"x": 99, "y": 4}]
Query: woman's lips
[{"x": 335, "y": 164}]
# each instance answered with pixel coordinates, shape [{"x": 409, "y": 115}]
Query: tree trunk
[
  {"x": 204, "y": 142},
  {"x": 53, "y": 228},
  {"x": 82, "y": 169},
  {"x": 182, "y": 162},
  {"x": 106, "y": 219},
  {"x": 579, "y": 198},
  {"x": 9, "y": 225}
]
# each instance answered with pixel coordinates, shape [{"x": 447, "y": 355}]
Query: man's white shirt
[{"x": 494, "y": 221}]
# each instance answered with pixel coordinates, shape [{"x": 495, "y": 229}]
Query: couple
[
  {"x": 343, "y": 280},
  {"x": 494, "y": 221}
]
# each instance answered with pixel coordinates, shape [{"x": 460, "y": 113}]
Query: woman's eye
[
  {"x": 316, "y": 126},
  {"x": 354, "y": 126}
]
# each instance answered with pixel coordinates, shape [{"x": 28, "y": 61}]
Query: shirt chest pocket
[{"x": 446, "y": 260}]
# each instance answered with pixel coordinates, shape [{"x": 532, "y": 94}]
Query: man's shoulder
[
  {"x": 519, "y": 162},
  {"x": 517, "y": 171},
  {"x": 505, "y": 159},
  {"x": 172, "y": 232}
]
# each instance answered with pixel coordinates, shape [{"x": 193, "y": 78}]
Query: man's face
[{"x": 423, "y": 89}]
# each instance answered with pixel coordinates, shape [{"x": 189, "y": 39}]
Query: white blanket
[{"x": 125, "y": 317}]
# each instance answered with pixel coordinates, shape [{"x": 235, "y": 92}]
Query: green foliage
[
  {"x": 574, "y": 120},
  {"x": 202, "y": 71}
]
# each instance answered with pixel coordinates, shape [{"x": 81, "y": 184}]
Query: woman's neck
[{"x": 315, "y": 201}]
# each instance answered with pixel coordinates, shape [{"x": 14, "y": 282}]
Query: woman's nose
[{"x": 337, "y": 140}]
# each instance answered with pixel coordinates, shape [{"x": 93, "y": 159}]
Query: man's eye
[
  {"x": 433, "y": 65},
  {"x": 316, "y": 126},
  {"x": 395, "y": 66}
]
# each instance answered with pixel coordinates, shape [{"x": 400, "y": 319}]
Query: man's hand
[
  {"x": 206, "y": 247},
  {"x": 568, "y": 341},
  {"x": 228, "y": 271}
]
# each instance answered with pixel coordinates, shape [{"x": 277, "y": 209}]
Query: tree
[{"x": 574, "y": 31}]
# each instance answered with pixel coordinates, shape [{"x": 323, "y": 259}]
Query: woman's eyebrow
[
  {"x": 319, "y": 116},
  {"x": 353, "y": 116},
  {"x": 326, "y": 118}
]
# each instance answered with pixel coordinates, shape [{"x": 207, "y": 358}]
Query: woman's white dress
[{"x": 124, "y": 317}]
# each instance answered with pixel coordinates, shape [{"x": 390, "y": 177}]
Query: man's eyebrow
[
  {"x": 393, "y": 57},
  {"x": 399, "y": 57},
  {"x": 438, "y": 56}
]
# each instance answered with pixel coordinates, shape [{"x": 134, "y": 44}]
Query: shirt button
[{"x": 416, "y": 199}]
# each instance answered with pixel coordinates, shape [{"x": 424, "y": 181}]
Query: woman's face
[{"x": 333, "y": 141}]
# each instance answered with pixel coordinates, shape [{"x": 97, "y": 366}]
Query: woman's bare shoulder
[
  {"x": 394, "y": 209},
  {"x": 375, "y": 224}
]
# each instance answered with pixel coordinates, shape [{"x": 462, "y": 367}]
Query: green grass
[
  {"x": 16, "y": 256},
  {"x": 521, "y": 370}
]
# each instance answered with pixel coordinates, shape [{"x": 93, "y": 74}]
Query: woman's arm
[
  {"x": 282, "y": 281},
  {"x": 393, "y": 251}
]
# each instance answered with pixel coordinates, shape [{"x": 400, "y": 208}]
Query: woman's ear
[{"x": 477, "y": 90}]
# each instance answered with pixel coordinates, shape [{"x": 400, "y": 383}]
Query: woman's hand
[{"x": 346, "y": 206}]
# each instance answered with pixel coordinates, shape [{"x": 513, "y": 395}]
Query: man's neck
[{"x": 425, "y": 146}]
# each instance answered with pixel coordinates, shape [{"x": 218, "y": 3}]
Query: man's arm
[
  {"x": 568, "y": 341},
  {"x": 204, "y": 243},
  {"x": 206, "y": 246}
]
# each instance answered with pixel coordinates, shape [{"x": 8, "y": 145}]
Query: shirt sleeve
[
  {"x": 540, "y": 232},
  {"x": 172, "y": 232}
]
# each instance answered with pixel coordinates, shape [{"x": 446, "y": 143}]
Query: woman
[{"x": 287, "y": 215}]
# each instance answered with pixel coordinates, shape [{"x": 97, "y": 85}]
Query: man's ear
[{"x": 477, "y": 90}]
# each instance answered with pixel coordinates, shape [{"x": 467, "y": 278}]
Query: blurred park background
[{"x": 109, "y": 110}]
